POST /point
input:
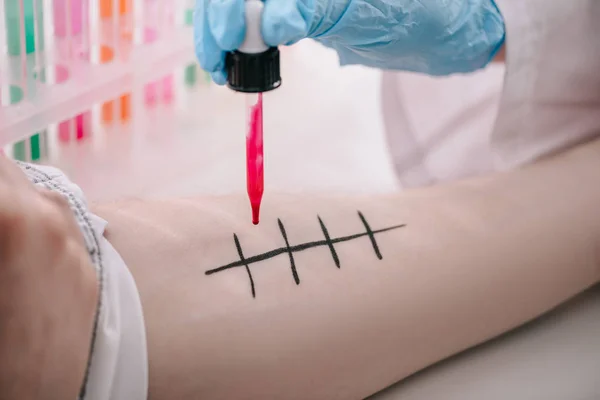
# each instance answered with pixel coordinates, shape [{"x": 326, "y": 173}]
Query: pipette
[
  {"x": 254, "y": 69},
  {"x": 254, "y": 155}
]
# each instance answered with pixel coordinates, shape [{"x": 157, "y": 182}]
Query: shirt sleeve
[
  {"x": 551, "y": 97},
  {"x": 117, "y": 365}
]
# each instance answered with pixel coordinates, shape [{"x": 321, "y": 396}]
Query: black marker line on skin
[
  {"x": 290, "y": 252},
  {"x": 334, "y": 255},
  {"x": 371, "y": 235},
  {"x": 241, "y": 254},
  {"x": 298, "y": 247},
  {"x": 245, "y": 262}
]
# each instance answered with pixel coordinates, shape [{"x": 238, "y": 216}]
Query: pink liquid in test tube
[
  {"x": 82, "y": 125},
  {"x": 64, "y": 131},
  {"x": 62, "y": 13},
  {"x": 77, "y": 128},
  {"x": 151, "y": 89},
  {"x": 68, "y": 19},
  {"x": 167, "y": 84},
  {"x": 150, "y": 93}
]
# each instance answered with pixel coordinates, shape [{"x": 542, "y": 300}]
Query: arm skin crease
[{"x": 476, "y": 259}]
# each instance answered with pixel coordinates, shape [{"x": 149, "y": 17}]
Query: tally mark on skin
[{"x": 291, "y": 249}]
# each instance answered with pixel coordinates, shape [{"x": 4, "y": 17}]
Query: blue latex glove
[{"x": 436, "y": 37}]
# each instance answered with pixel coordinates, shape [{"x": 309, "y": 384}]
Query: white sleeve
[
  {"x": 117, "y": 365},
  {"x": 551, "y": 96}
]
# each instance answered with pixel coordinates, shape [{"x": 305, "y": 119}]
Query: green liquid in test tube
[
  {"x": 19, "y": 151},
  {"x": 14, "y": 96},
  {"x": 35, "y": 142},
  {"x": 15, "y": 20},
  {"x": 36, "y": 148},
  {"x": 191, "y": 74},
  {"x": 191, "y": 71},
  {"x": 30, "y": 21},
  {"x": 189, "y": 16}
]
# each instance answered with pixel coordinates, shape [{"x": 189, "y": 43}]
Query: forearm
[{"x": 471, "y": 261}]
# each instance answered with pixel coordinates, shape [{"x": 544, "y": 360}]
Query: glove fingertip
[{"x": 219, "y": 77}]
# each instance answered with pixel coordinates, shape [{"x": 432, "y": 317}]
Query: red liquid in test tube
[
  {"x": 70, "y": 25},
  {"x": 167, "y": 86},
  {"x": 254, "y": 154}
]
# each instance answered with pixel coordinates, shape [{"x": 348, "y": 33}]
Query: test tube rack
[{"x": 95, "y": 61}]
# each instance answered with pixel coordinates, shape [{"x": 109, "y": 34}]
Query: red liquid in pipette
[{"x": 254, "y": 158}]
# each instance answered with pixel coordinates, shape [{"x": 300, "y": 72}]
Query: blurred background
[{"x": 110, "y": 92}]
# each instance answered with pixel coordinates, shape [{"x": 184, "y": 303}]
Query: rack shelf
[{"x": 87, "y": 84}]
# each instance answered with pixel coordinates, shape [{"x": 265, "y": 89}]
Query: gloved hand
[{"x": 436, "y": 37}]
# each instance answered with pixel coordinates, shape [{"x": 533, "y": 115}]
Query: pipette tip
[{"x": 255, "y": 213}]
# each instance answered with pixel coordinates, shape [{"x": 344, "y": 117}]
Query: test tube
[
  {"x": 151, "y": 88},
  {"x": 191, "y": 71},
  {"x": 191, "y": 74},
  {"x": 189, "y": 12},
  {"x": 23, "y": 27},
  {"x": 125, "y": 101},
  {"x": 32, "y": 149},
  {"x": 38, "y": 145},
  {"x": 126, "y": 9},
  {"x": 24, "y": 20},
  {"x": 169, "y": 7},
  {"x": 167, "y": 88},
  {"x": 77, "y": 128},
  {"x": 107, "y": 54},
  {"x": 64, "y": 11},
  {"x": 2, "y": 30},
  {"x": 68, "y": 16},
  {"x": 9, "y": 96},
  {"x": 49, "y": 75},
  {"x": 106, "y": 8}
]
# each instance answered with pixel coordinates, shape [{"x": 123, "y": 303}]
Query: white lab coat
[{"x": 546, "y": 99}]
